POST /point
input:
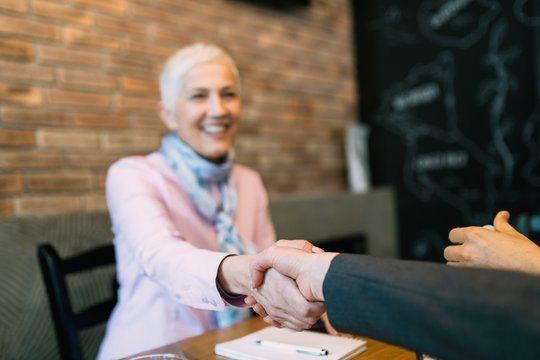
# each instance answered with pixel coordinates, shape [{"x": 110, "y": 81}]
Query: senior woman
[{"x": 179, "y": 213}]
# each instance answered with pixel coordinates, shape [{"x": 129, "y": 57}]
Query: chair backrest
[{"x": 68, "y": 323}]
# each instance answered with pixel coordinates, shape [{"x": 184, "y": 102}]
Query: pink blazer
[{"x": 167, "y": 254}]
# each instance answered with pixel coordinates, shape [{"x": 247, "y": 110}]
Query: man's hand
[
  {"x": 278, "y": 300},
  {"x": 261, "y": 310},
  {"x": 308, "y": 269},
  {"x": 299, "y": 244}
]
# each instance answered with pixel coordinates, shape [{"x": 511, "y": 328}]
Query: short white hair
[{"x": 176, "y": 67}]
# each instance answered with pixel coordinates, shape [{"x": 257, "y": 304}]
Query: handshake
[
  {"x": 411, "y": 304},
  {"x": 283, "y": 284}
]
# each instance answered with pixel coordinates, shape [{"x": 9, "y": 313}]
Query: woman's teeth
[{"x": 214, "y": 128}]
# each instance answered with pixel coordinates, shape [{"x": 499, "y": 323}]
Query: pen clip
[{"x": 323, "y": 352}]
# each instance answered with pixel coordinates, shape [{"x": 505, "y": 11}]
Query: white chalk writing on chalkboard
[{"x": 456, "y": 23}]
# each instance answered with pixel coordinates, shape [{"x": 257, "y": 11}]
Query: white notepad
[{"x": 246, "y": 347}]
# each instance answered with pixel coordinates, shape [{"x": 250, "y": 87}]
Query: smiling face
[{"x": 207, "y": 110}]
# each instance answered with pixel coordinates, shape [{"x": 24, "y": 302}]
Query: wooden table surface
[{"x": 202, "y": 347}]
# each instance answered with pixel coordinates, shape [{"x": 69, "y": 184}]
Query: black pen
[{"x": 307, "y": 350}]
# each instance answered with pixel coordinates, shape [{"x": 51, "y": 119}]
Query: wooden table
[{"x": 202, "y": 347}]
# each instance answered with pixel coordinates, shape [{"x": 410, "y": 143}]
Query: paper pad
[{"x": 246, "y": 347}]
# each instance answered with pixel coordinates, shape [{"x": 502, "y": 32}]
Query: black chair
[{"x": 67, "y": 323}]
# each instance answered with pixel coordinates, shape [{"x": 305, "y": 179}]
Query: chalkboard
[{"x": 450, "y": 91}]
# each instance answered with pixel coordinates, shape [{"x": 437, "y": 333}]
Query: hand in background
[{"x": 504, "y": 248}]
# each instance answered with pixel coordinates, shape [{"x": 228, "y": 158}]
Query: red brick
[
  {"x": 101, "y": 121},
  {"x": 6, "y": 208},
  {"x": 14, "y": 5},
  {"x": 130, "y": 63},
  {"x": 11, "y": 183},
  {"x": 95, "y": 202},
  {"x": 86, "y": 37},
  {"x": 117, "y": 6},
  {"x": 163, "y": 4},
  {"x": 58, "y": 1},
  {"x": 16, "y": 49},
  {"x": 60, "y": 182},
  {"x": 26, "y": 71},
  {"x": 14, "y": 138},
  {"x": 62, "y": 12},
  {"x": 120, "y": 24},
  {"x": 77, "y": 98},
  {"x": 207, "y": 29},
  {"x": 149, "y": 123},
  {"x": 30, "y": 160},
  {"x": 67, "y": 139},
  {"x": 23, "y": 116},
  {"x": 62, "y": 55},
  {"x": 166, "y": 35},
  {"x": 149, "y": 103},
  {"x": 153, "y": 13},
  {"x": 38, "y": 205},
  {"x": 152, "y": 49},
  {"x": 86, "y": 78},
  {"x": 102, "y": 180},
  {"x": 91, "y": 161},
  {"x": 141, "y": 85},
  {"x": 27, "y": 95},
  {"x": 27, "y": 27},
  {"x": 193, "y": 6},
  {"x": 131, "y": 142}
]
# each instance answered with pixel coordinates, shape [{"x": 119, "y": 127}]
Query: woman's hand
[
  {"x": 262, "y": 276},
  {"x": 329, "y": 328},
  {"x": 279, "y": 301}
]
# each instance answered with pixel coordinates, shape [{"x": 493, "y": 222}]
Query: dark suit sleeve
[{"x": 444, "y": 311}]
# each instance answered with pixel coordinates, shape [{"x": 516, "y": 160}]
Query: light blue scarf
[{"x": 196, "y": 174}]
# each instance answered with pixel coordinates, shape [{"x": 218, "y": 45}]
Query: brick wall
[{"x": 78, "y": 90}]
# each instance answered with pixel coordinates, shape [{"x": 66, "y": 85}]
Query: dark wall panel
[{"x": 450, "y": 90}]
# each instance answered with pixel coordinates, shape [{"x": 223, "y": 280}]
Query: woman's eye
[
  {"x": 229, "y": 95},
  {"x": 197, "y": 96}
]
